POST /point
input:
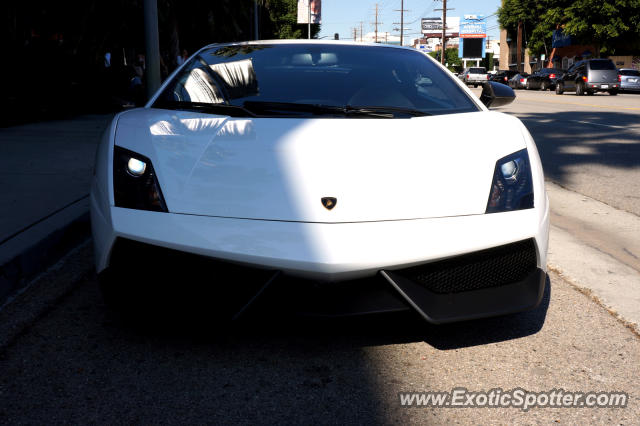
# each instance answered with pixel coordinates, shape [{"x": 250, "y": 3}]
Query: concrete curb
[{"x": 40, "y": 246}]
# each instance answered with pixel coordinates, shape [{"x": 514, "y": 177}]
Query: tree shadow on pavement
[{"x": 571, "y": 138}]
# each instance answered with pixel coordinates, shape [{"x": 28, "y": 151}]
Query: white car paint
[
  {"x": 278, "y": 169},
  {"x": 248, "y": 190},
  {"x": 290, "y": 241}
]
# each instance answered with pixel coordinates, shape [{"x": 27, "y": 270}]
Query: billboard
[
  {"x": 473, "y": 26},
  {"x": 432, "y": 27},
  {"x": 472, "y": 48},
  {"x": 303, "y": 11},
  {"x": 473, "y": 32}
]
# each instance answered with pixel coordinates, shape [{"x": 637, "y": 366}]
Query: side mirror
[{"x": 496, "y": 94}]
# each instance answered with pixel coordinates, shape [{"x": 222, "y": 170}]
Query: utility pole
[
  {"x": 255, "y": 20},
  {"x": 309, "y": 9},
  {"x": 355, "y": 34},
  {"x": 376, "y": 23},
  {"x": 444, "y": 31},
  {"x": 152, "y": 46},
  {"x": 401, "y": 10},
  {"x": 361, "y": 31}
]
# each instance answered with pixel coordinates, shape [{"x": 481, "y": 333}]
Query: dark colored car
[
  {"x": 629, "y": 80},
  {"x": 503, "y": 76},
  {"x": 519, "y": 81},
  {"x": 544, "y": 79},
  {"x": 590, "y": 76}
]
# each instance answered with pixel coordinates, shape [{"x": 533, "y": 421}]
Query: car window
[
  {"x": 317, "y": 74},
  {"x": 602, "y": 64},
  {"x": 478, "y": 71},
  {"x": 630, "y": 72}
]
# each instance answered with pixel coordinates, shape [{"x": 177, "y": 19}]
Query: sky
[{"x": 341, "y": 16}]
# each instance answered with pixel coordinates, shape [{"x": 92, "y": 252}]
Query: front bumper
[
  {"x": 347, "y": 253},
  {"x": 491, "y": 282}
]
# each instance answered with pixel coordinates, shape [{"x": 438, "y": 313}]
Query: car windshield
[
  {"x": 477, "y": 71},
  {"x": 303, "y": 79},
  {"x": 634, "y": 73},
  {"x": 602, "y": 64}
]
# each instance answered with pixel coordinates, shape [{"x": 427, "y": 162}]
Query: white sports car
[{"x": 325, "y": 165}]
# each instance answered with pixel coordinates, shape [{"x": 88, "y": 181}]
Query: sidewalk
[
  {"x": 45, "y": 172},
  {"x": 595, "y": 247}
]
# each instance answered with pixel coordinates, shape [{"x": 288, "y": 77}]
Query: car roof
[{"x": 308, "y": 41}]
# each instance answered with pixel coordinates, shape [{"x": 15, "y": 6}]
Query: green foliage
[
  {"x": 284, "y": 20},
  {"x": 610, "y": 24},
  {"x": 451, "y": 58}
]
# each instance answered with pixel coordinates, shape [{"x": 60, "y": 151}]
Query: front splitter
[{"x": 451, "y": 307}]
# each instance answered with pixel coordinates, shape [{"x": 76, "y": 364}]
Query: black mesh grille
[{"x": 484, "y": 269}]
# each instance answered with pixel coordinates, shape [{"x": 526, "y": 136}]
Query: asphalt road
[
  {"x": 77, "y": 362},
  {"x": 588, "y": 144}
]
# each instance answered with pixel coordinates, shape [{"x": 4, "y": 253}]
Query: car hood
[{"x": 281, "y": 168}]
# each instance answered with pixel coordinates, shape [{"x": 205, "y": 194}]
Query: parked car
[
  {"x": 503, "y": 76},
  {"x": 544, "y": 79},
  {"x": 474, "y": 76},
  {"x": 629, "y": 80},
  {"x": 590, "y": 76},
  {"x": 295, "y": 164},
  {"x": 519, "y": 81}
]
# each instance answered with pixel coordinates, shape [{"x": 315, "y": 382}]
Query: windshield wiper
[
  {"x": 387, "y": 110},
  {"x": 347, "y": 110},
  {"x": 264, "y": 108},
  {"x": 284, "y": 107},
  {"x": 220, "y": 109}
]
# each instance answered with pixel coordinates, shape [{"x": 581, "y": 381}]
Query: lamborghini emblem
[{"x": 329, "y": 202}]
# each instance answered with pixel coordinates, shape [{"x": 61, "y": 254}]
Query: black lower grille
[{"x": 494, "y": 267}]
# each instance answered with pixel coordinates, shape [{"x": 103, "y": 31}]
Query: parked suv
[
  {"x": 629, "y": 80},
  {"x": 590, "y": 76},
  {"x": 475, "y": 76}
]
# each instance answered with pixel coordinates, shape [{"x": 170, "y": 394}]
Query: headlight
[
  {"x": 135, "y": 184},
  {"x": 512, "y": 188}
]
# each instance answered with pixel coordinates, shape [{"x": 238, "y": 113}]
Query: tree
[
  {"x": 451, "y": 58},
  {"x": 609, "y": 24},
  {"x": 283, "y": 16}
]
